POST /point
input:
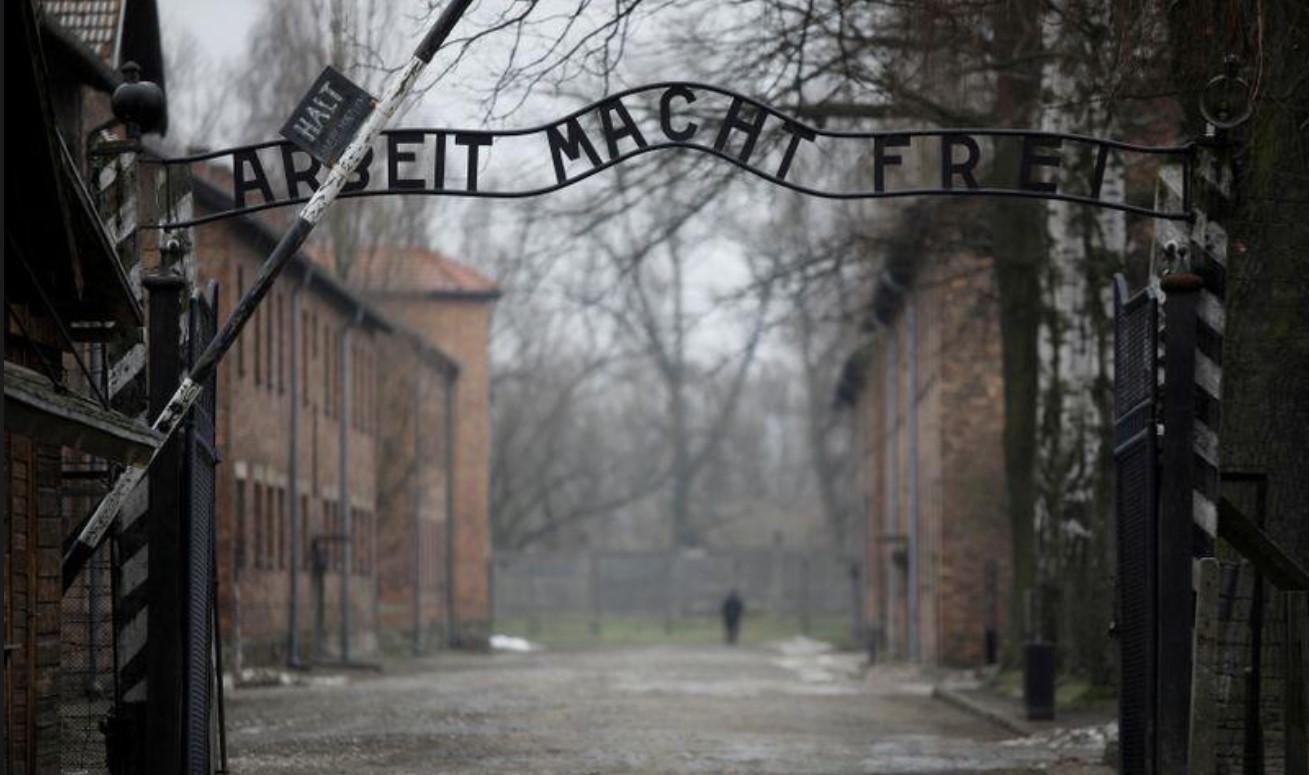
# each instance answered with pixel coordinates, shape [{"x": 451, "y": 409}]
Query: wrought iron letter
[
  {"x": 950, "y": 167},
  {"x": 438, "y": 163},
  {"x": 258, "y": 181},
  {"x": 394, "y": 156},
  {"x": 1032, "y": 159},
  {"x": 798, "y": 132},
  {"x": 666, "y": 117},
  {"x": 473, "y": 140},
  {"x": 573, "y": 146},
  {"x": 1097, "y": 177},
  {"x": 882, "y": 159},
  {"x": 612, "y": 134},
  {"x": 294, "y": 177},
  {"x": 750, "y": 128}
]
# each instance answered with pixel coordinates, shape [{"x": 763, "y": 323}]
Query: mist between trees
[{"x": 671, "y": 335}]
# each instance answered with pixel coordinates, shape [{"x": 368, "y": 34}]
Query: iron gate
[
  {"x": 201, "y": 686},
  {"x": 1136, "y": 495}
]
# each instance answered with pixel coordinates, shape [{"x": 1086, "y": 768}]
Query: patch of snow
[
  {"x": 801, "y": 646},
  {"x": 511, "y": 643}
]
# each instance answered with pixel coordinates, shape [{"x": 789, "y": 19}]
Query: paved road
[{"x": 788, "y": 708}]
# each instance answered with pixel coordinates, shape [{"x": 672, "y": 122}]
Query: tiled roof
[
  {"x": 94, "y": 22},
  {"x": 421, "y": 271}
]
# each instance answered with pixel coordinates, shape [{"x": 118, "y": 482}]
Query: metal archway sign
[{"x": 715, "y": 121}]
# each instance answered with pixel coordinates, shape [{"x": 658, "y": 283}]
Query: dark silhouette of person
[{"x": 733, "y": 609}]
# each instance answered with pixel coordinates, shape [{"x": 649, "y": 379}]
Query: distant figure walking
[{"x": 733, "y": 608}]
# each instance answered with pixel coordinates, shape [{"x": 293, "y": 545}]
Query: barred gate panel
[
  {"x": 1136, "y": 506},
  {"x": 201, "y": 457},
  {"x": 86, "y": 671}
]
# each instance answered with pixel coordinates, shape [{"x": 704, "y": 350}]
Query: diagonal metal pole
[{"x": 94, "y": 529}]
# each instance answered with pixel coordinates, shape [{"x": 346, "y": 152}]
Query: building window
[
  {"x": 327, "y": 371},
  {"x": 281, "y": 344},
  {"x": 361, "y": 543},
  {"x": 268, "y": 348},
  {"x": 354, "y": 386},
  {"x": 240, "y": 557},
  {"x": 270, "y": 534},
  {"x": 365, "y": 362},
  {"x": 281, "y": 529},
  {"x": 304, "y": 356},
  {"x": 259, "y": 525},
  {"x": 240, "y": 341},
  {"x": 329, "y": 550},
  {"x": 356, "y": 527},
  {"x": 258, "y": 339},
  {"x": 304, "y": 533}
]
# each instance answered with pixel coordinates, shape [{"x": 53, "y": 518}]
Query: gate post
[
  {"x": 163, "y": 732},
  {"x": 1136, "y": 507},
  {"x": 1176, "y": 518}
]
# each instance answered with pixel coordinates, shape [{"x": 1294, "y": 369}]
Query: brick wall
[
  {"x": 32, "y": 595},
  {"x": 412, "y": 497},
  {"x": 461, "y": 328},
  {"x": 962, "y": 553},
  {"x": 255, "y": 492}
]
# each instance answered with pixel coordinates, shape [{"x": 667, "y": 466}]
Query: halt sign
[{"x": 328, "y": 116}]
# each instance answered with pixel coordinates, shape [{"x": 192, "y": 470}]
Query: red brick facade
[
  {"x": 414, "y": 493},
  {"x": 313, "y": 346},
  {"x": 32, "y": 592},
  {"x": 450, "y": 305},
  {"x": 947, "y": 324}
]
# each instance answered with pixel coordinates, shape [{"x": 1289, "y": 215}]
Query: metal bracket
[{"x": 1225, "y": 101}]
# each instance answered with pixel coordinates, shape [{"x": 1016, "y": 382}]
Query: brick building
[
  {"x": 925, "y": 392},
  {"x": 323, "y": 368},
  {"x": 450, "y": 305},
  {"x": 73, "y": 309}
]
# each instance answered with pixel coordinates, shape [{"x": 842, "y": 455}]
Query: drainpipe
[
  {"x": 343, "y": 483},
  {"x": 293, "y": 489},
  {"x": 451, "y": 620},
  {"x": 417, "y": 580},
  {"x": 890, "y": 520},
  {"x": 911, "y": 412}
]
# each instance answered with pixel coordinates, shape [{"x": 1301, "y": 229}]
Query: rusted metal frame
[{"x": 59, "y": 325}]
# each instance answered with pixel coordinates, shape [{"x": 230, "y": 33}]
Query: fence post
[
  {"x": 593, "y": 581},
  {"x": 1176, "y": 519},
  {"x": 1296, "y": 615},
  {"x": 1204, "y": 680},
  {"x": 533, "y": 616},
  {"x": 668, "y": 591},
  {"x": 164, "y": 610},
  {"x": 804, "y": 594}
]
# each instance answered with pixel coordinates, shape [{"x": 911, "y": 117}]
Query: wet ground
[{"x": 784, "y": 708}]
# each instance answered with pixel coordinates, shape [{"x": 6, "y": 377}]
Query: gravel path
[{"x": 787, "y": 708}]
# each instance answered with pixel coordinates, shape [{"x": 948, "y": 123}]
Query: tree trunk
[{"x": 1019, "y": 237}]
